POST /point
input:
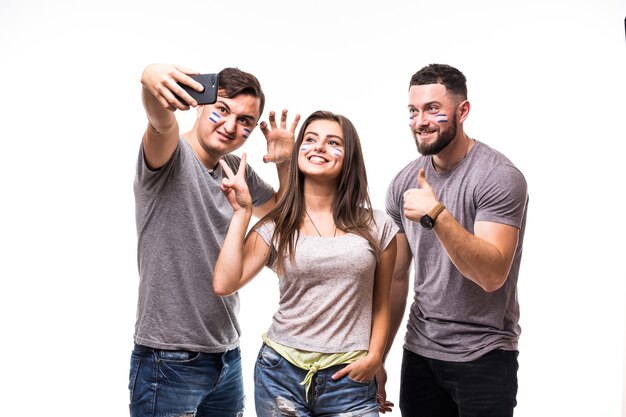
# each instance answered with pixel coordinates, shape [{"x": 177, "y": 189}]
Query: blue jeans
[
  {"x": 485, "y": 387},
  {"x": 178, "y": 383},
  {"x": 277, "y": 391}
]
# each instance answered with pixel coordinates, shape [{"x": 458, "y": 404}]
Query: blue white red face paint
[
  {"x": 246, "y": 133},
  {"x": 305, "y": 147},
  {"x": 441, "y": 118},
  {"x": 214, "y": 117}
]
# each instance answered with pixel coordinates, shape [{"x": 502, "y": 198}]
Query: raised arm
[
  {"x": 159, "y": 84},
  {"x": 484, "y": 257},
  {"x": 239, "y": 260}
]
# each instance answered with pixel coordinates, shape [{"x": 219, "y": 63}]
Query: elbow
[
  {"x": 493, "y": 283},
  {"x": 222, "y": 290}
]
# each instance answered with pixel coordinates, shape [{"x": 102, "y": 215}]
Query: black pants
[{"x": 485, "y": 387}]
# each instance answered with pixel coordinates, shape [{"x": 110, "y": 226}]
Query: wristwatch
[{"x": 428, "y": 220}]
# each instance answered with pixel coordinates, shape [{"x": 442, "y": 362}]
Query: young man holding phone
[{"x": 186, "y": 358}]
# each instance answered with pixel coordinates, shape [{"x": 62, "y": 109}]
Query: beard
[{"x": 443, "y": 140}]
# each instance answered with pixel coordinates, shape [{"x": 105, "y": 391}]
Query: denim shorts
[
  {"x": 277, "y": 390},
  {"x": 178, "y": 382}
]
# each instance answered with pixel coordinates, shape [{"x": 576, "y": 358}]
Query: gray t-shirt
[
  {"x": 182, "y": 218},
  {"x": 451, "y": 317},
  {"x": 326, "y": 294}
]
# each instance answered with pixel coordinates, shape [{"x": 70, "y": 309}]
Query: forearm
[
  {"x": 476, "y": 259},
  {"x": 282, "y": 169},
  {"x": 398, "y": 296},
  {"x": 228, "y": 272},
  {"x": 160, "y": 120},
  {"x": 380, "y": 332}
]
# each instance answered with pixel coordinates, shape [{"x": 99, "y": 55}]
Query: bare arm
[
  {"x": 397, "y": 296},
  {"x": 239, "y": 260},
  {"x": 159, "y": 83},
  {"x": 399, "y": 288},
  {"x": 484, "y": 257}
]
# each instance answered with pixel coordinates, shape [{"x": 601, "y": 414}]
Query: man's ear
[{"x": 463, "y": 109}]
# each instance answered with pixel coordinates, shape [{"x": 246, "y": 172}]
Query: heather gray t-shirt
[
  {"x": 182, "y": 218},
  {"x": 326, "y": 294},
  {"x": 451, "y": 317}
]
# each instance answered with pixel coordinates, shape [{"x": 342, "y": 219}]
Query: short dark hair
[
  {"x": 450, "y": 77},
  {"x": 233, "y": 82}
]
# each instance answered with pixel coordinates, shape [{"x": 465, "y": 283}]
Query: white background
[{"x": 546, "y": 81}]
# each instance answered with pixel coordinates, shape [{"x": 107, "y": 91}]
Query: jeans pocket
[
  {"x": 364, "y": 383},
  {"x": 268, "y": 357},
  {"x": 135, "y": 362}
]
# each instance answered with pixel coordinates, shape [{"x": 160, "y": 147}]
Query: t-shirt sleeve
[
  {"x": 503, "y": 197},
  {"x": 149, "y": 178},
  {"x": 266, "y": 230},
  {"x": 393, "y": 205},
  {"x": 386, "y": 228}
]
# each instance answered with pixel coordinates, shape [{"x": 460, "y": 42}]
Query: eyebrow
[
  {"x": 245, "y": 116},
  {"x": 328, "y": 136},
  {"x": 411, "y": 106}
]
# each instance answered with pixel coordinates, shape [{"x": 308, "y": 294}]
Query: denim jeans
[
  {"x": 485, "y": 387},
  {"x": 181, "y": 383},
  {"x": 277, "y": 391}
]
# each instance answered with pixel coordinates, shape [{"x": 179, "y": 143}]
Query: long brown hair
[{"x": 352, "y": 209}]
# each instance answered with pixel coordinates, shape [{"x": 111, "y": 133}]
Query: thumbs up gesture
[{"x": 419, "y": 201}]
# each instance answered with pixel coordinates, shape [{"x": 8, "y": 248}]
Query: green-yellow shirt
[{"x": 312, "y": 361}]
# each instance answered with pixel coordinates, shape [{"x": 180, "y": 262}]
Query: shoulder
[
  {"x": 383, "y": 223},
  {"x": 410, "y": 170},
  {"x": 498, "y": 167},
  {"x": 265, "y": 228}
]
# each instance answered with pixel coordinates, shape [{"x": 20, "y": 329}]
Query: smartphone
[{"x": 209, "y": 95}]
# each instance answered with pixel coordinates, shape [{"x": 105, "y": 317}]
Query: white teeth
[{"x": 316, "y": 159}]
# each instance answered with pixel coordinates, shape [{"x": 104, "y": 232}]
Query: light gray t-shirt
[
  {"x": 326, "y": 294},
  {"x": 451, "y": 317},
  {"x": 182, "y": 218}
]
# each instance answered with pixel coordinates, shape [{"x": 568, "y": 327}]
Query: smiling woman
[{"x": 329, "y": 333}]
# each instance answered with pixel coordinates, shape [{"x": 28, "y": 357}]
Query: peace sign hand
[{"x": 235, "y": 187}]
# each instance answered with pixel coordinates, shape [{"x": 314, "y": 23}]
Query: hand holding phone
[{"x": 208, "y": 95}]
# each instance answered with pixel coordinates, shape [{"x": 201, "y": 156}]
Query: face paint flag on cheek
[
  {"x": 305, "y": 147},
  {"x": 337, "y": 152},
  {"x": 214, "y": 117},
  {"x": 246, "y": 133},
  {"x": 441, "y": 118}
]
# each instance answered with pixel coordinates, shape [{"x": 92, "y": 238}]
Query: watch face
[{"x": 427, "y": 222}]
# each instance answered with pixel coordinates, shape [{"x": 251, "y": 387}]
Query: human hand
[
  {"x": 235, "y": 187},
  {"x": 361, "y": 370},
  {"x": 280, "y": 140},
  {"x": 419, "y": 201},
  {"x": 381, "y": 394},
  {"x": 161, "y": 80}
]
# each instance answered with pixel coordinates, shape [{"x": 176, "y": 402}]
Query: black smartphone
[{"x": 209, "y": 95}]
